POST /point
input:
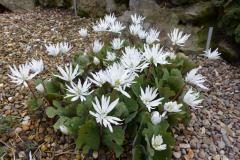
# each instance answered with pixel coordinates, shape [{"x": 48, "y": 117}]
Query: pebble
[
  {"x": 177, "y": 154},
  {"x": 221, "y": 144},
  {"x": 202, "y": 154},
  {"x": 183, "y": 145}
]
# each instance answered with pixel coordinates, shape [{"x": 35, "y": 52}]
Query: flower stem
[
  {"x": 179, "y": 93},
  {"x": 30, "y": 88},
  {"x": 149, "y": 72}
]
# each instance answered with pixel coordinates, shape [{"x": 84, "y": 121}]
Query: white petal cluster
[
  {"x": 110, "y": 18},
  {"x": 97, "y": 46},
  {"x": 133, "y": 60},
  {"x": 109, "y": 23},
  {"x": 134, "y": 29},
  {"x": 192, "y": 99},
  {"x": 116, "y": 27},
  {"x": 111, "y": 56},
  {"x": 102, "y": 110},
  {"x": 155, "y": 54},
  {"x": 148, "y": 98},
  {"x": 119, "y": 78},
  {"x": 177, "y": 37},
  {"x": 21, "y": 74},
  {"x": 79, "y": 90},
  {"x": 157, "y": 143},
  {"x": 53, "y": 49},
  {"x": 137, "y": 19},
  {"x": 212, "y": 54},
  {"x": 142, "y": 34},
  {"x": 156, "y": 117},
  {"x": 83, "y": 32},
  {"x": 64, "y": 47},
  {"x": 36, "y": 66},
  {"x": 196, "y": 79},
  {"x": 96, "y": 61},
  {"x": 68, "y": 74},
  {"x": 152, "y": 36},
  {"x": 172, "y": 107},
  {"x": 99, "y": 78},
  {"x": 117, "y": 43},
  {"x": 101, "y": 26}
]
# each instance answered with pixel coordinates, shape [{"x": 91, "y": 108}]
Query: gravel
[{"x": 213, "y": 132}]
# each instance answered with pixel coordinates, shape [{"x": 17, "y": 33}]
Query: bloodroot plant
[{"x": 121, "y": 92}]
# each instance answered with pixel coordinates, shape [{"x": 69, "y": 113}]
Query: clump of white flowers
[{"x": 119, "y": 85}]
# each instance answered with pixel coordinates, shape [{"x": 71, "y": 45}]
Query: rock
[
  {"x": 229, "y": 51},
  {"x": 95, "y": 8},
  {"x": 55, "y": 3},
  {"x": 212, "y": 148},
  {"x": 202, "y": 154},
  {"x": 221, "y": 144},
  {"x": 177, "y": 154},
  {"x": 183, "y": 145},
  {"x": 197, "y": 12},
  {"x": 18, "y": 5},
  {"x": 110, "y": 6}
]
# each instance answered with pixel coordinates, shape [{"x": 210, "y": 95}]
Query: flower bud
[
  {"x": 156, "y": 118},
  {"x": 96, "y": 61},
  {"x": 40, "y": 88},
  {"x": 64, "y": 129}
]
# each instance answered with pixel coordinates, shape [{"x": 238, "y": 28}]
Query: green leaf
[
  {"x": 34, "y": 104},
  {"x": 166, "y": 92},
  {"x": 149, "y": 148},
  {"x": 114, "y": 140},
  {"x": 51, "y": 112},
  {"x": 88, "y": 137}
]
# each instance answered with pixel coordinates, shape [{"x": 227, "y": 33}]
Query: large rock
[
  {"x": 230, "y": 51},
  {"x": 18, "y": 5},
  {"x": 94, "y": 8},
  {"x": 55, "y": 3},
  {"x": 197, "y": 13}
]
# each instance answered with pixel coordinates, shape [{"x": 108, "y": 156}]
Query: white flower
[
  {"x": 212, "y": 54},
  {"x": 101, "y": 26},
  {"x": 96, "y": 61},
  {"x": 148, "y": 97},
  {"x": 40, "y": 88},
  {"x": 64, "y": 129},
  {"x": 64, "y": 47},
  {"x": 156, "y": 117},
  {"x": 116, "y": 27},
  {"x": 117, "y": 43},
  {"x": 133, "y": 60},
  {"x": 119, "y": 78},
  {"x": 79, "y": 90},
  {"x": 97, "y": 46},
  {"x": 69, "y": 74},
  {"x": 102, "y": 110},
  {"x": 177, "y": 37},
  {"x": 111, "y": 56},
  {"x": 37, "y": 66},
  {"x": 21, "y": 74},
  {"x": 83, "y": 32},
  {"x": 135, "y": 28},
  {"x": 52, "y": 49},
  {"x": 142, "y": 34},
  {"x": 197, "y": 79},
  {"x": 192, "y": 99},
  {"x": 110, "y": 19},
  {"x": 99, "y": 78},
  {"x": 137, "y": 19},
  {"x": 172, "y": 107},
  {"x": 155, "y": 54},
  {"x": 152, "y": 36},
  {"x": 157, "y": 143}
]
